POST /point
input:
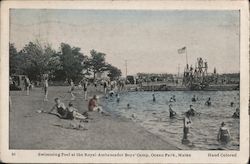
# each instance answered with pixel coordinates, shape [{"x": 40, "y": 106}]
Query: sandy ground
[{"x": 32, "y": 130}]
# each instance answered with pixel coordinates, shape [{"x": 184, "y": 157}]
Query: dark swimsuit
[{"x": 65, "y": 113}]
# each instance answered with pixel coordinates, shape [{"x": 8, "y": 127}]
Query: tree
[
  {"x": 72, "y": 62},
  {"x": 14, "y": 60},
  {"x": 114, "y": 72},
  {"x": 35, "y": 59},
  {"x": 97, "y": 62}
]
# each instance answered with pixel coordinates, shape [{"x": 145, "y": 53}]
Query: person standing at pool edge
[
  {"x": 27, "y": 85},
  {"x": 45, "y": 87},
  {"x": 85, "y": 89},
  {"x": 72, "y": 87}
]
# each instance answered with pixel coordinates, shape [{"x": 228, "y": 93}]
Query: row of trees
[{"x": 34, "y": 60}]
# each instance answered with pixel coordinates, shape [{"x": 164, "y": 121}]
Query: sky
[{"x": 147, "y": 39}]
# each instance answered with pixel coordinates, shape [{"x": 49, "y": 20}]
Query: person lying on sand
[{"x": 64, "y": 112}]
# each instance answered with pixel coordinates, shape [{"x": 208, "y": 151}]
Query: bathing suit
[
  {"x": 224, "y": 135},
  {"x": 85, "y": 87}
]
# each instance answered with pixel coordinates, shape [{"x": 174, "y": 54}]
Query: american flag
[{"x": 182, "y": 50}]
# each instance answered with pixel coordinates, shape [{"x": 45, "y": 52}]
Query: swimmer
[
  {"x": 194, "y": 98},
  {"x": 232, "y": 104},
  {"x": 45, "y": 88},
  {"x": 171, "y": 112},
  {"x": 62, "y": 111},
  {"x": 72, "y": 87},
  {"x": 85, "y": 89},
  {"x": 128, "y": 106},
  {"x": 191, "y": 111},
  {"x": 223, "y": 134},
  {"x": 27, "y": 85},
  {"x": 154, "y": 99},
  {"x": 117, "y": 98},
  {"x": 172, "y": 99},
  {"x": 186, "y": 125},
  {"x": 208, "y": 102},
  {"x": 111, "y": 93},
  {"x": 236, "y": 113}
]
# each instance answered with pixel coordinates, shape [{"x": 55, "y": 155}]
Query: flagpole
[{"x": 186, "y": 57}]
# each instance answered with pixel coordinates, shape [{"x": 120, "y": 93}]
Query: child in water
[
  {"x": 171, "y": 112},
  {"x": 236, "y": 113},
  {"x": 117, "y": 98},
  {"x": 186, "y": 125},
  {"x": 208, "y": 102},
  {"x": 154, "y": 99},
  {"x": 223, "y": 134}
]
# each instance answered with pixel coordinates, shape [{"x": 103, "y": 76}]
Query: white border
[{"x": 24, "y": 156}]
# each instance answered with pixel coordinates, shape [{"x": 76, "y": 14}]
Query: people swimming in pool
[
  {"x": 154, "y": 99},
  {"x": 172, "y": 99},
  {"x": 117, "y": 98},
  {"x": 191, "y": 111},
  {"x": 171, "y": 112},
  {"x": 223, "y": 134},
  {"x": 208, "y": 102},
  {"x": 236, "y": 113},
  {"x": 128, "y": 106},
  {"x": 111, "y": 93},
  {"x": 194, "y": 98}
]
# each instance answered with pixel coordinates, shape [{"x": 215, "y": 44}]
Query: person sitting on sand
[
  {"x": 93, "y": 106},
  {"x": 208, "y": 102},
  {"x": 171, "y": 112},
  {"x": 236, "y": 113},
  {"x": 191, "y": 111},
  {"x": 223, "y": 134},
  {"x": 154, "y": 99},
  {"x": 186, "y": 125}
]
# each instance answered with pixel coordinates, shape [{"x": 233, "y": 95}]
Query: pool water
[{"x": 154, "y": 116}]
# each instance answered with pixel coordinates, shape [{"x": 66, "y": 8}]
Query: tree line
[{"x": 68, "y": 62}]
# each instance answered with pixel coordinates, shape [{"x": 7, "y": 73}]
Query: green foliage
[
  {"x": 114, "y": 72},
  {"x": 97, "y": 62},
  {"x": 34, "y": 60},
  {"x": 72, "y": 62}
]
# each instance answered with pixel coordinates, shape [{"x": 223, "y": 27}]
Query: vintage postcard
[{"x": 124, "y": 81}]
